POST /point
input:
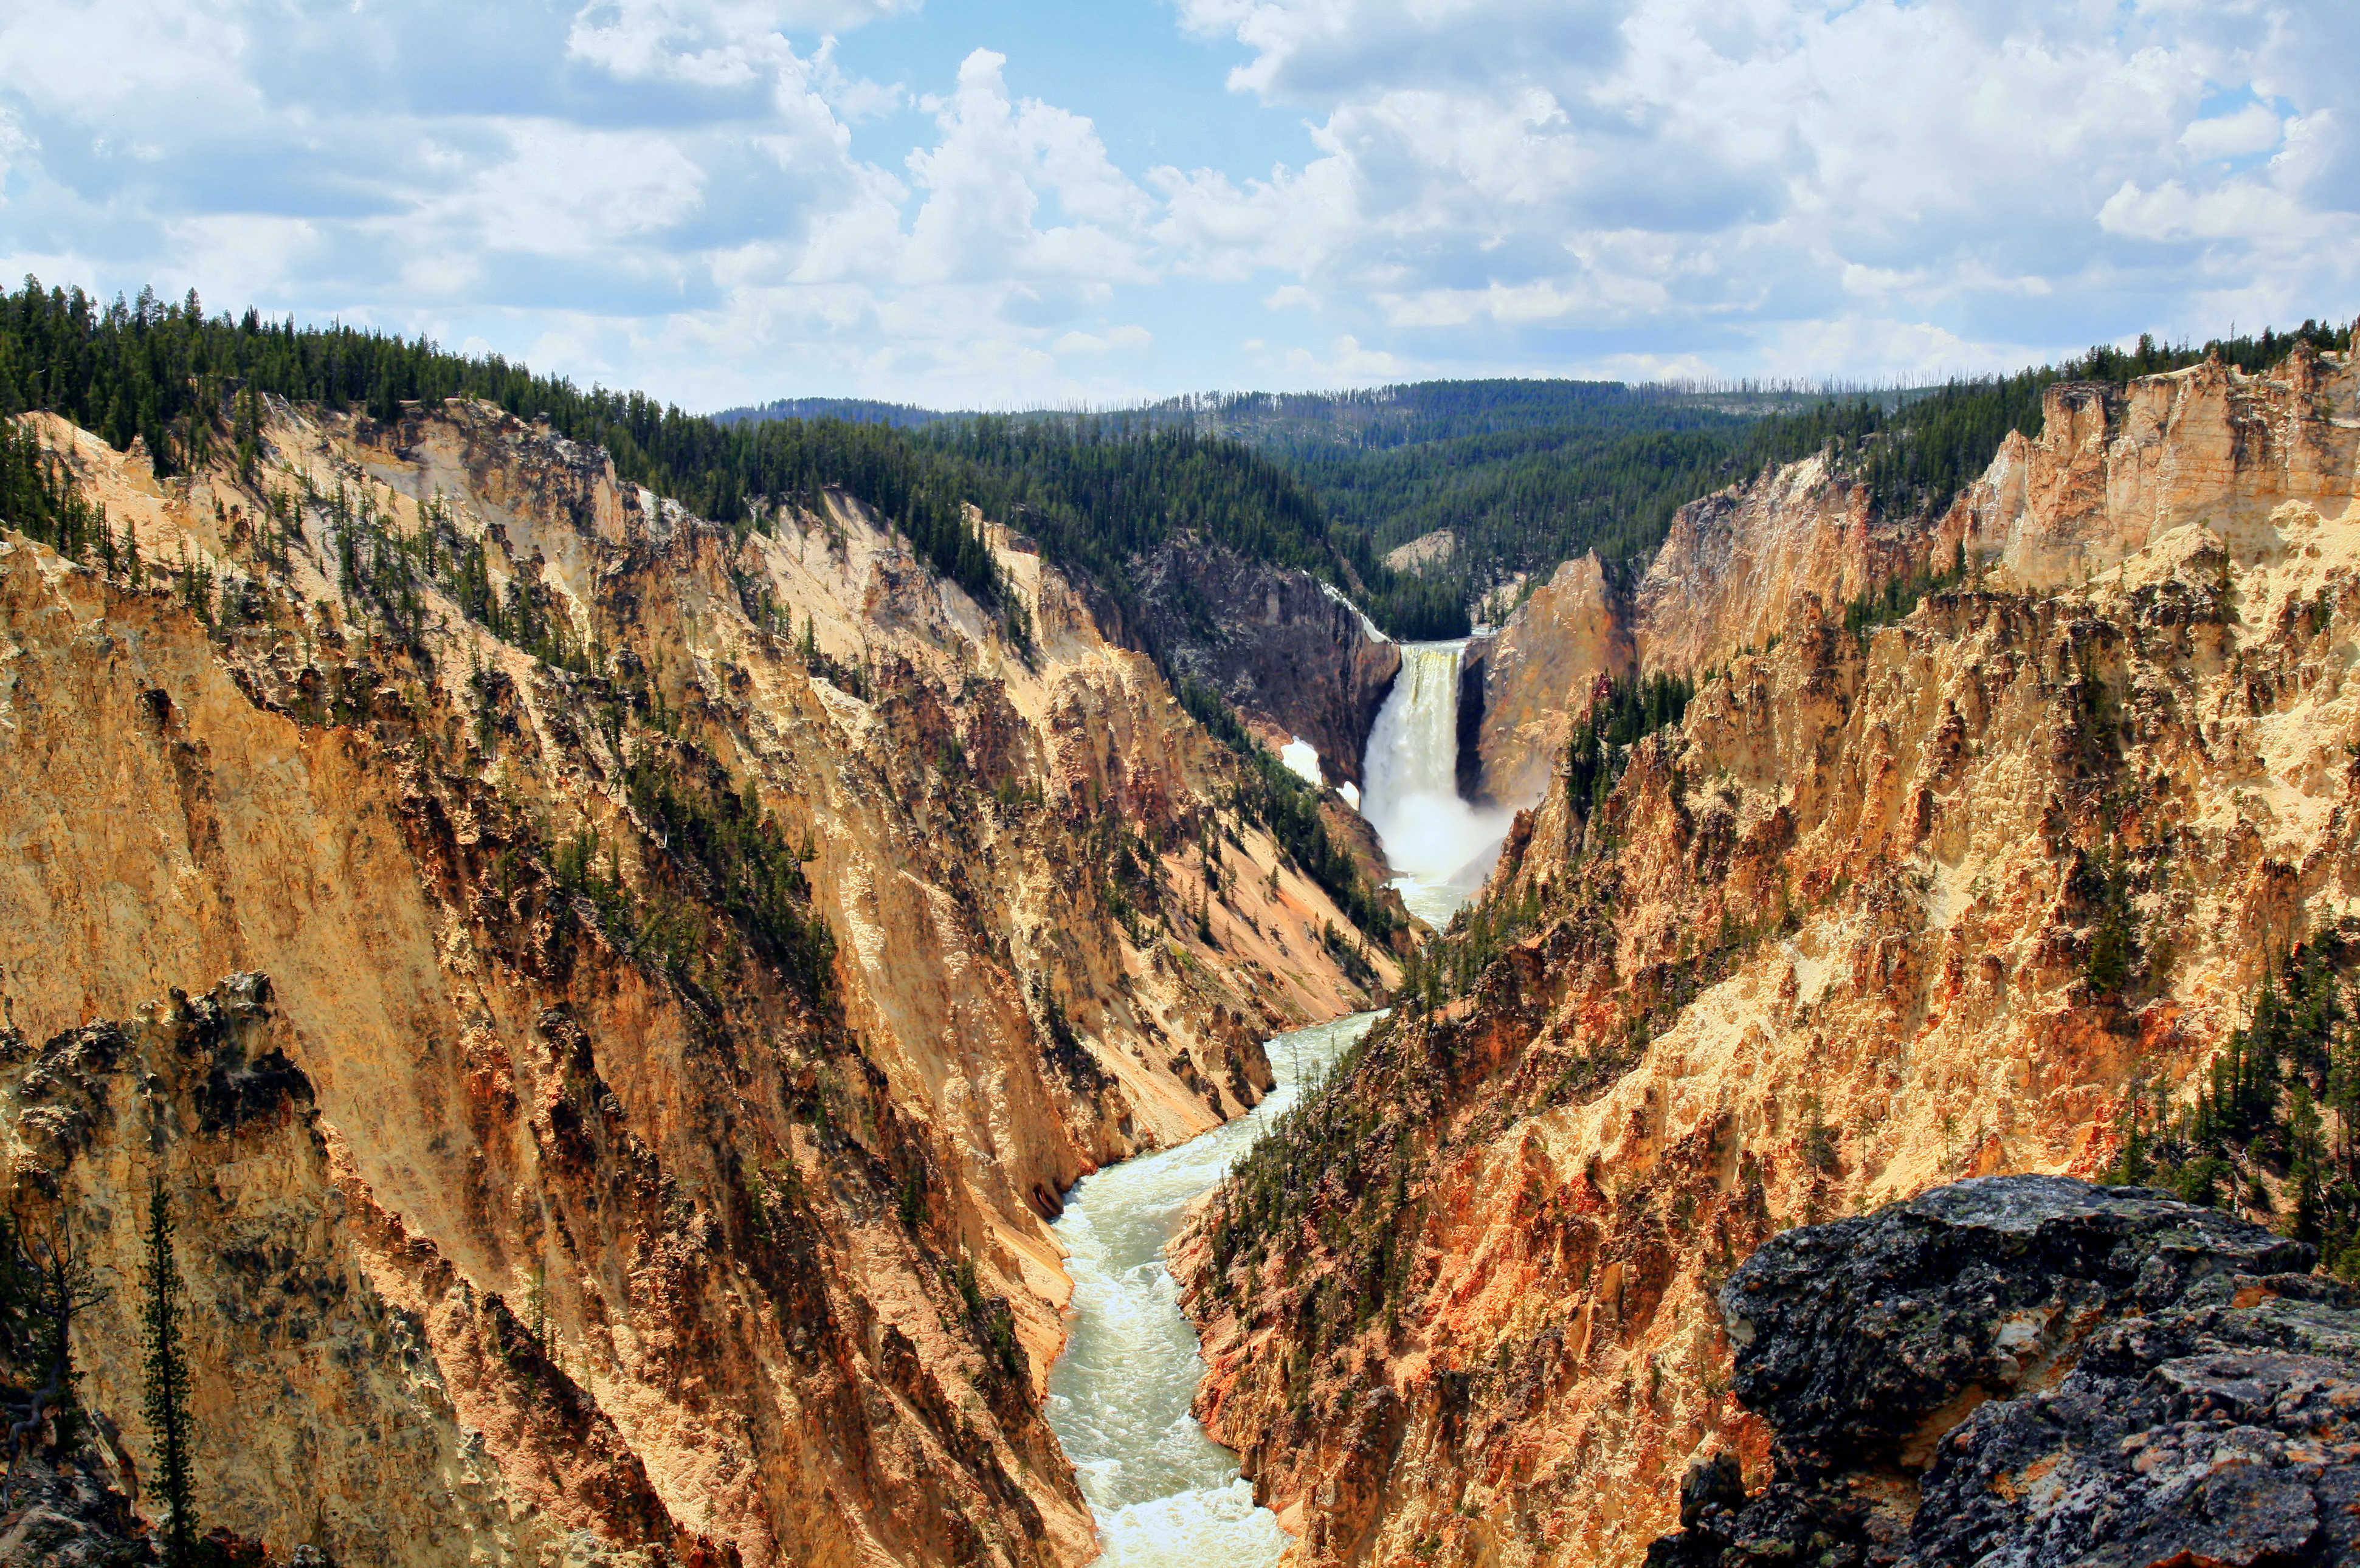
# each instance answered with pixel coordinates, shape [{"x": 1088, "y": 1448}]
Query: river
[{"x": 1165, "y": 1494}]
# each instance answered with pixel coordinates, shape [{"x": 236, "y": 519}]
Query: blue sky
[{"x": 970, "y": 204}]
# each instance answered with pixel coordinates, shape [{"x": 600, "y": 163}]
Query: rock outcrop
[
  {"x": 1289, "y": 652},
  {"x": 1738, "y": 563},
  {"x": 2112, "y": 469},
  {"x": 1573, "y": 629},
  {"x": 2033, "y": 1370},
  {"x": 1936, "y": 899},
  {"x": 673, "y": 973}
]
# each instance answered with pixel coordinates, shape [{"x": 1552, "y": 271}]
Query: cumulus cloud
[
  {"x": 1128, "y": 338},
  {"x": 712, "y": 43},
  {"x": 706, "y": 196},
  {"x": 634, "y": 186},
  {"x": 2252, "y": 129},
  {"x": 17, "y": 148},
  {"x": 985, "y": 180},
  {"x": 1689, "y": 165}
]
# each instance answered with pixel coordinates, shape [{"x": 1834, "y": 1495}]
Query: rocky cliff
[
  {"x": 1943, "y": 897},
  {"x": 1736, "y": 564},
  {"x": 2032, "y": 1369},
  {"x": 2111, "y": 468},
  {"x": 1574, "y": 628},
  {"x": 611, "y": 998},
  {"x": 1289, "y": 652}
]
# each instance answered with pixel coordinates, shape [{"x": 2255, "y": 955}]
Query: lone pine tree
[{"x": 167, "y": 1367}]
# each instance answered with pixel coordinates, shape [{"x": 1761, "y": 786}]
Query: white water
[
  {"x": 1442, "y": 847},
  {"x": 1165, "y": 1494}
]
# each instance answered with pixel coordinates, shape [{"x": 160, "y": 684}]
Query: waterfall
[{"x": 1442, "y": 847}]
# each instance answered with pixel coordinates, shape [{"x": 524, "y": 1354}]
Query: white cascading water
[
  {"x": 1441, "y": 847},
  {"x": 1166, "y": 1496}
]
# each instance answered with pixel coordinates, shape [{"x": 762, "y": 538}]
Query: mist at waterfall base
[
  {"x": 1441, "y": 847},
  {"x": 1164, "y": 1494}
]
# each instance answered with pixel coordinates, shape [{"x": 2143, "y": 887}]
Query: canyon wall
[
  {"x": 1536, "y": 674},
  {"x": 1294, "y": 657},
  {"x": 2112, "y": 469},
  {"x": 612, "y": 999},
  {"x": 1887, "y": 908}
]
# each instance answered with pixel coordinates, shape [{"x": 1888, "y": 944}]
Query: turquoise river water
[{"x": 1165, "y": 1494}]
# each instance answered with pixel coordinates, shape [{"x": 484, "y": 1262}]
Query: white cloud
[
  {"x": 1125, "y": 339},
  {"x": 17, "y": 148},
  {"x": 1687, "y": 166},
  {"x": 711, "y": 196},
  {"x": 2251, "y": 129},
  {"x": 563, "y": 190},
  {"x": 2173, "y": 212},
  {"x": 709, "y": 42},
  {"x": 985, "y": 178},
  {"x": 1346, "y": 363}
]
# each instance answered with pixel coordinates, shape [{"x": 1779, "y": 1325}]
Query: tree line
[
  {"x": 2274, "y": 1124},
  {"x": 186, "y": 385},
  {"x": 1529, "y": 474}
]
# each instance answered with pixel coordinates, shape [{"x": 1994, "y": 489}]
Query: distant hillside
[
  {"x": 1382, "y": 418},
  {"x": 1523, "y": 473},
  {"x": 855, "y": 410}
]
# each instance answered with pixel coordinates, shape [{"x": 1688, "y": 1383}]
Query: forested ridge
[
  {"x": 1523, "y": 500},
  {"x": 1524, "y": 472},
  {"x": 1917, "y": 455},
  {"x": 185, "y": 384},
  {"x": 867, "y": 410}
]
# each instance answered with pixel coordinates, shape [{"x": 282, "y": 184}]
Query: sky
[{"x": 966, "y": 204}]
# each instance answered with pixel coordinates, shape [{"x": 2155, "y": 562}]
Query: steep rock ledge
[
  {"x": 2111, "y": 470},
  {"x": 1282, "y": 647},
  {"x": 1535, "y": 674},
  {"x": 2033, "y": 1370}
]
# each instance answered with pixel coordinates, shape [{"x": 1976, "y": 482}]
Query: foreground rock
[{"x": 2031, "y": 1370}]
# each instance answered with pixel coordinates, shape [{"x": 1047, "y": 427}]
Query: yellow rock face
[
  {"x": 1830, "y": 943},
  {"x": 568, "y": 1220},
  {"x": 1573, "y": 629}
]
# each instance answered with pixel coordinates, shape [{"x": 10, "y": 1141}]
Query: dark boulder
[
  {"x": 2031, "y": 1370},
  {"x": 2225, "y": 1433}
]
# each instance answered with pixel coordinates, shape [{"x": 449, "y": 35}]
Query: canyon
[
  {"x": 619, "y": 1003},
  {"x": 1937, "y": 894},
  {"x": 612, "y": 1000}
]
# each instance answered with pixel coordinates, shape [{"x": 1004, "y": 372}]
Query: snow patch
[
  {"x": 1344, "y": 599},
  {"x": 1303, "y": 759}
]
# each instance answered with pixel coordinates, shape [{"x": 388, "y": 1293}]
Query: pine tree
[{"x": 166, "y": 1368}]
